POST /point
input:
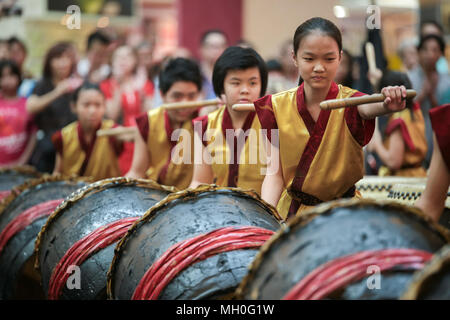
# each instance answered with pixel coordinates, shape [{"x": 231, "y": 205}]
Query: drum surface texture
[
  {"x": 180, "y": 218},
  {"x": 329, "y": 236},
  {"x": 12, "y": 177}
]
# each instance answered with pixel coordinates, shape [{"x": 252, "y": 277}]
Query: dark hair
[
  {"x": 237, "y": 58},
  {"x": 85, "y": 86},
  {"x": 435, "y": 23},
  {"x": 317, "y": 23},
  {"x": 438, "y": 39},
  {"x": 274, "y": 65},
  {"x": 4, "y": 64},
  {"x": 15, "y": 40},
  {"x": 212, "y": 31},
  {"x": 97, "y": 36},
  {"x": 180, "y": 69},
  {"x": 323, "y": 25},
  {"x": 348, "y": 80},
  {"x": 55, "y": 52}
]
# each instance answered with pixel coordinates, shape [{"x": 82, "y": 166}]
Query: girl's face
[
  {"x": 9, "y": 82},
  {"x": 241, "y": 86},
  {"x": 90, "y": 108},
  {"x": 317, "y": 60},
  {"x": 62, "y": 66},
  {"x": 429, "y": 54},
  {"x": 124, "y": 62}
]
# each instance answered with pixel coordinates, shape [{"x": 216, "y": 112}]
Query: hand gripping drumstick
[
  {"x": 337, "y": 103},
  {"x": 193, "y": 104},
  {"x": 355, "y": 101}
]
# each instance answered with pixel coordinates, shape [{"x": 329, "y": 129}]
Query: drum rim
[
  {"x": 439, "y": 260},
  {"x": 310, "y": 214},
  {"x": 26, "y": 169},
  {"x": 81, "y": 193},
  {"x": 151, "y": 212},
  {"x": 32, "y": 183}
]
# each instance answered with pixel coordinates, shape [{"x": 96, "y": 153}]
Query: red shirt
[{"x": 16, "y": 128}]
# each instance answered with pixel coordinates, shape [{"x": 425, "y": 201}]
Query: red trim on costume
[
  {"x": 401, "y": 124},
  {"x": 440, "y": 122},
  {"x": 227, "y": 124},
  {"x": 143, "y": 126},
  {"x": 87, "y": 148},
  {"x": 362, "y": 130},
  {"x": 266, "y": 116},
  {"x": 169, "y": 130},
  {"x": 58, "y": 142},
  {"x": 118, "y": 146}
]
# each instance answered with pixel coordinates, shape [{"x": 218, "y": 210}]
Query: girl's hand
[{"x": 395, "y": 98}]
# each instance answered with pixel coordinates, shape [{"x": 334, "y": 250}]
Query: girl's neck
[
  {"x": 313, "y": 97},
  {"x": 237, "y": 117}
]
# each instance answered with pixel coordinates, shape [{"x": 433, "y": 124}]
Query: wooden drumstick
[
  {"x": 193, "y": 104},
  {"x": 115, "y": 131},
  {"x": 355, "y": 101},
  {"x": 243, "y": 107}
]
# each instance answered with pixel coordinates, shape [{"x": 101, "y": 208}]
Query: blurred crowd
[{"x": 32, "y": 109}]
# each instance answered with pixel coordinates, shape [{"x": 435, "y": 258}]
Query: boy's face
[
  {"x": 8, "y": 80},
  {"x": 90, "y": 108},
  {"x": 241, "y": 86},
  {"x": 181, "y": 91}
]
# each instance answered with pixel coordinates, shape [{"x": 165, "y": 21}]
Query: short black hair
[
  {"x": 274, "y": 65},
  {"x": 433, "y": 22},
  {"x": 97, "y": 36},
  {"x": 212, "y": 31},
  {"x": 15, "y": 40},
  {"x": 437, "y": 38},
  {"x": 180, "y": 69},
  {"x": 85, "y": 86},
  {"x": 237, "y": 58},
  {"x": 12, "y": 65}
]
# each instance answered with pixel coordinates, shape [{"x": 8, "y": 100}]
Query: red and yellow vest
[
  {"x": 100, "y": 164},
  {"x": 163, "y": 169},
  {"x": 322, "y": 160},
  {"x": 248, "y": 170}
]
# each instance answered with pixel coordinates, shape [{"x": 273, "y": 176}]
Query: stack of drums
[
  {"x": 22, "y": 215},
  {"x": 76, "y": 246},
  {"x": 375, "y": 187},
  {"x": 433, "y": 281},
  {"x": 195, "y": 244},
  {"x": 345, "y": 249},
  {"x": 12, "y": 177},
  {"x": 410, "y": 193}
]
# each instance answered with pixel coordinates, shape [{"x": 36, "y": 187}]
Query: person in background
[
  {"x": 212, "y": 45},
  {"x": 17, "y": 129},
  {"x": 432, "y": 27},
  {"x": 431, "y": 86},
  {"x": 126, "y": 96},
  {"x": 4, "y": 49},
  {"x": 344, "y": 74},
  {"x": 18, "y": 53},
  {"x": 276, "y": 81},
  {"x": 50, "y": 102},
  {"x": 94, "y": 67},
  {"x": 407, "y": 52},
  {"x": 145, "y": 62},
  {"x": 400, "y": 141},
  {"x": 79, "y": 150},
  {"x": 290, "y": 71}
]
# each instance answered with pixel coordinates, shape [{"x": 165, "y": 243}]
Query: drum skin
[
  {"x": 20, "y": 247},
  {"x": 337, "y": 229},
  {"x": 96, "y": 205},
  {"x": 433, "y": 281},
  {"x": 182, "y": 216}
]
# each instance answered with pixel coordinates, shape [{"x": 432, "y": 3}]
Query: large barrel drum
[
  {"x": 410, "y": 193},
  {"x": 76, "y": 246},
  {"x": 344, "y": 249},
  {"x": 22, "y": 216},
  {"x": 433, "y": 281},
  {"x": 375, "y": 187},
  {"x": 11, "y": 177},
  {"x": 195, "y": 244}
]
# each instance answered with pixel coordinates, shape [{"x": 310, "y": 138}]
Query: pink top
[{"x": 16, "y": 128}]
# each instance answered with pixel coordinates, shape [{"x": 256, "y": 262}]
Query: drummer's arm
[
  {"x": 392, "y": 156},
  {"x": 58, "y": 164},
  {"x": 432, "y": 201},
  {"x": 202, "y": 170},
  {"x": 141, "y": 160},
  {"x": 273, "y": 183},
  {"x": 393, "y": 103}
]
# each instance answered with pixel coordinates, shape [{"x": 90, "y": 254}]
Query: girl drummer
[{"x": 318, "y": 154}]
